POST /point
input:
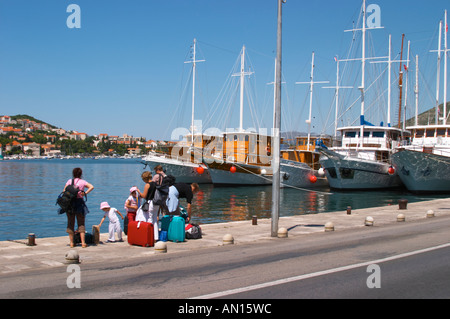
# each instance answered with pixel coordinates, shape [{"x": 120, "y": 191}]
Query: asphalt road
[{"x": 411, "y": 261}]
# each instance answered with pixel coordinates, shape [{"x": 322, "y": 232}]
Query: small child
[
  {"x": 132, "y": 204},
  {"x": 114, "y": 223}
]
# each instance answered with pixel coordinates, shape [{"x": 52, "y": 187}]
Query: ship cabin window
[
  {"x": 441, "y": 132},
  {"x": 419, "y": 133},
  {"x": 350, "y": 134},
  {"x": 430, "y": 133},
  {"x": 378, "y": 134},
  {"x": 395, "y": 136},
  {"x": 366, "y": 134}
]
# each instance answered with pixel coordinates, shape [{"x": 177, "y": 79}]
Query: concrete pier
[{"x": 17, "y": 256}]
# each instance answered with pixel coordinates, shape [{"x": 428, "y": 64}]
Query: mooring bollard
[
  {"x": 254, "y": 220},
  {"x": 228, "y": 239},
  {"x": 282, "y": 232},
  {"x": 72, "y": 257},
  {"x": 430, "y": 213},
  {"x": 349, "y": 210},
  {"x": 329, "y": 227},
  {"x": 31, "y": 239},
  {"x": 160, "y": 247},
  {"x": 402, "y": 203},
  {"x": 401, "y": 218},
  {"x": 368, "y": 221}
]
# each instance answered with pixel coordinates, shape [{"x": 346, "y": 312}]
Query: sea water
[{"x": 29, "y": 188}]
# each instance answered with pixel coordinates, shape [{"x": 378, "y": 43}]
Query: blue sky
[{"x": 123, "y": 71}]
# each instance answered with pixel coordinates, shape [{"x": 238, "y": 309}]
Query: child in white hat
[{"x": 114, "y": 223}]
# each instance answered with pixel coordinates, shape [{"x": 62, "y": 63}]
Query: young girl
[
  {"x": 114, "y": 223},
  {"x": 132, "y": 203}
]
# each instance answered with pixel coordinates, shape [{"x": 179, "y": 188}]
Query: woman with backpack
[
  {"x": 148, "y": 212},
  {"x": 78, "y": 208}
]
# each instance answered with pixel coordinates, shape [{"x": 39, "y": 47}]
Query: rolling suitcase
[
  {"x": 163, "y": 235},
  {"x": 141, "y": 234},
  {"x": 176, "y": 232},
  {"x": 165, "y": 222}
]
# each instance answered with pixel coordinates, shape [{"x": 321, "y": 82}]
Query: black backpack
[
  {"x": 162, "y": 191},
  {"x": 67, "y": 197}
]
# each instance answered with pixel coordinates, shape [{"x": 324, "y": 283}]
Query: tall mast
[
  {"x": 439, "y": 51},
  {"x": 363, "y": 67},
  {"x": 389, "y": 62},
  {"x": 194, "y": 67},
  {"x": 444, "y": 115},
  {"x": 241, "y": 99},
  {"x": 337, "y": 88},
  {"x": 311, "y": 86},
  {"x": 363, "y": 74},
  {"x": 416, "y": 90},
  {"x": 363, "y": 60},
  {"x": 406, "y": 86},
  {"x": 389, "y": 80},
  {"x": 242, "y": 75},
  {"x": 400, "y": 85}
]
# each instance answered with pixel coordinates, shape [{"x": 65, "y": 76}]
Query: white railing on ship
[{"x": 437, "y": 149}]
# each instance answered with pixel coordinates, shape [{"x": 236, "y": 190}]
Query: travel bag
[
  {"x": 193, "y": 231},
  {"x": 176, "y": 232},
  {"x": 165, "y": 222},
  {"x": 141, "y": 234}
]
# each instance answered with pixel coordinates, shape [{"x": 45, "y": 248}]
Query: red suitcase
[{"x": 141, "y": 234}]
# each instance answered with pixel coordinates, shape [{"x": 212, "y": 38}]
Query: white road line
[
  {"x": 52, "y": 263},
  {"x": 15, "y": 268},
  {"x": 316, "y": 274}
]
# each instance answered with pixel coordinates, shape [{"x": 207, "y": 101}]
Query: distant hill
[
  {"x": 428, "y": 117},
  {"x": 28, "y": 117}
]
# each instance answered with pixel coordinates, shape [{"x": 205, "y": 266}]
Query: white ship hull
[
  {"x": 294, "y": 174},
  {"x": 298, "y": 174},
  {"x": 244, "y": 174},
  {"x": 423, "y": 172},
  {"x": 184, "y": 171},
  {"x": 345, "y": 172}
]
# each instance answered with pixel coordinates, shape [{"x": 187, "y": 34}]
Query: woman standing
[
  {"x": 79, "y": 208},
  {"x": 150, "y": 215}
]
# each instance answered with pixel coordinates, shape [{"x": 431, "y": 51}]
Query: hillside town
[{"x": 24, "y": 136}]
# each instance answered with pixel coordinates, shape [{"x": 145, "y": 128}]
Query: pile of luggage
[{"x": 172, "y": 228}]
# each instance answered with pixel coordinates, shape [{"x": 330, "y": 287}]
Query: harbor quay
[{"x": 19, "y": 256}]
